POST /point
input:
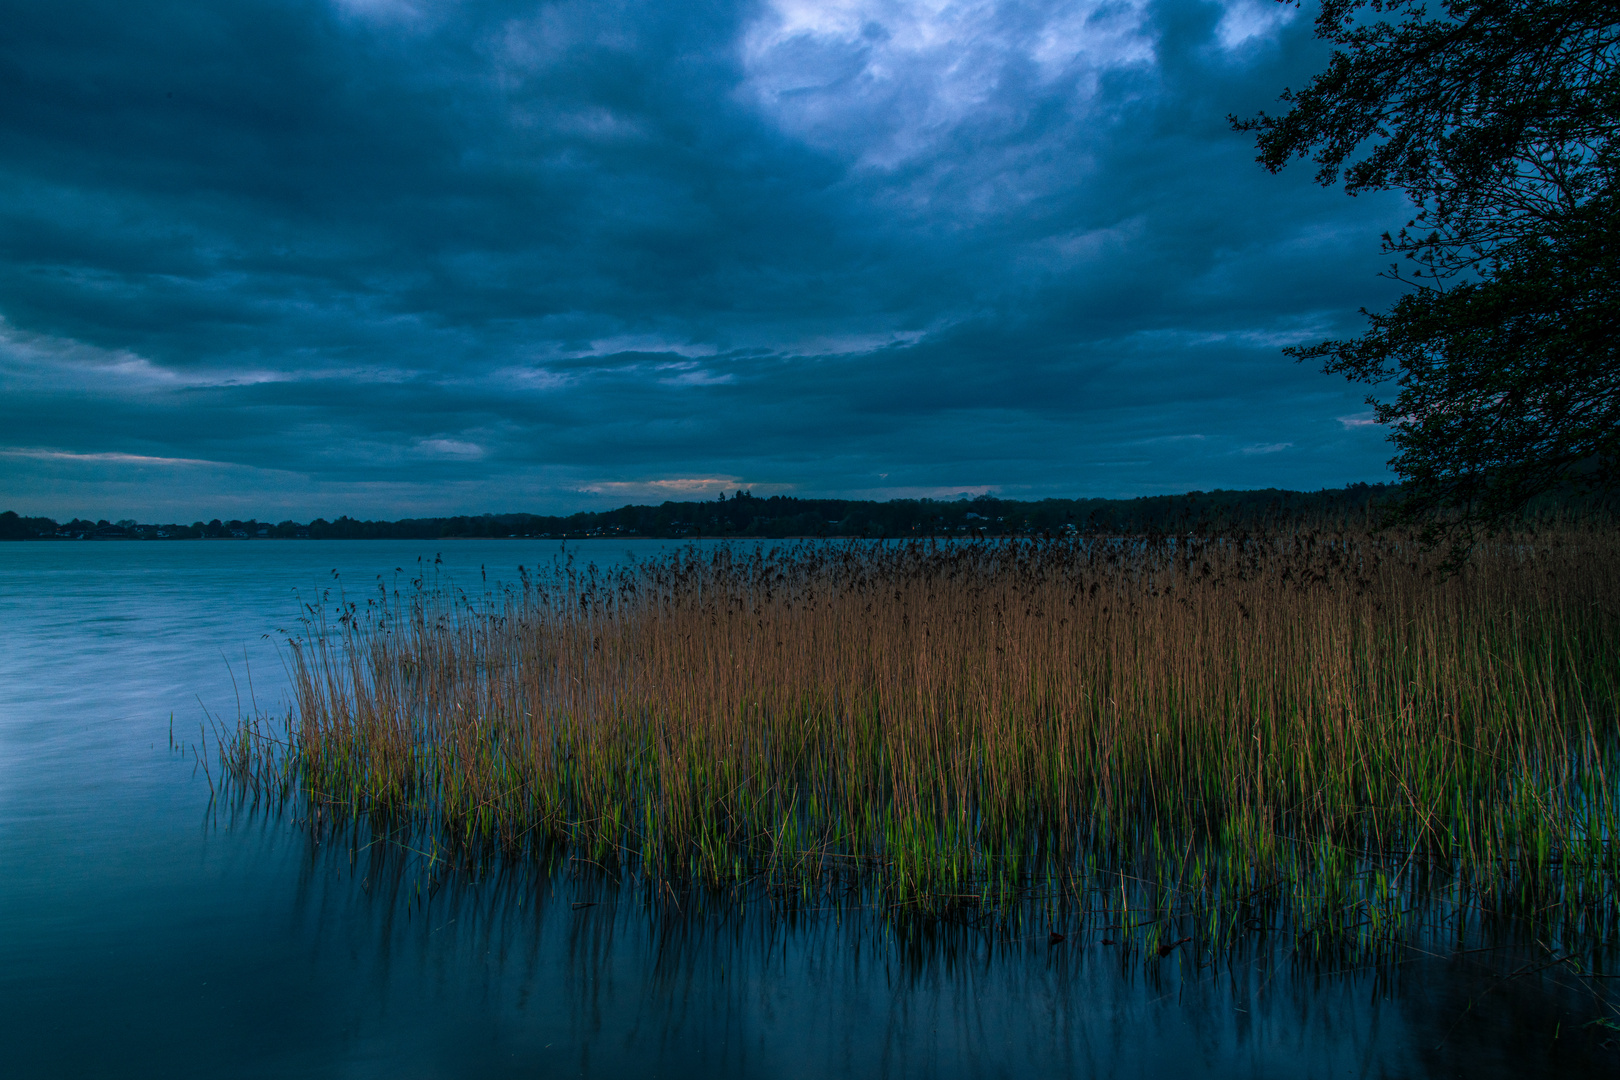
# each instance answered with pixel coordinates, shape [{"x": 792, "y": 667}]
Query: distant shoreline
[{"x": 780, "y": 518}]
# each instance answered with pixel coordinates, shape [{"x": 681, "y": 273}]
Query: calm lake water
[{"x": 143, "y": 933}]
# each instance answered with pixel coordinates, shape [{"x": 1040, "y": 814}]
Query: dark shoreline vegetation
[
  {"x": 1312, "y": 738},
  {"x": 780, "y": 517}
]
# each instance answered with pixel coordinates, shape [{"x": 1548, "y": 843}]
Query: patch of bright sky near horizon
[{"x": 390, "y": 257}]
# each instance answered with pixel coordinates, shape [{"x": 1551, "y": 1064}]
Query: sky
[{"x": 387, "y": 258}]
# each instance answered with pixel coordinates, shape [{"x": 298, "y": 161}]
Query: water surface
[{"x": 147, "y": 931}]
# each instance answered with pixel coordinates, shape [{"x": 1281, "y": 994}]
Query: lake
[{"x": 147, "y": 931}]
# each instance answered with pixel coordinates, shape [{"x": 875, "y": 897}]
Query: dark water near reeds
[{"x": 145, "y": 931}]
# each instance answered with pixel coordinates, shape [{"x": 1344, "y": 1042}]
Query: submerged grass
[{"x": 1312, "y": 733}]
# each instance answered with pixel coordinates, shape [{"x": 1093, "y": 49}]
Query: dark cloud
[{"x": 398, "y": 256}]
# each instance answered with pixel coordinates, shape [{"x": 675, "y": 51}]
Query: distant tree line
[{"x": 782, "y": 516}]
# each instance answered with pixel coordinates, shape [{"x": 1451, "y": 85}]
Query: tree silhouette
[{"x": 1497, "y": 119}]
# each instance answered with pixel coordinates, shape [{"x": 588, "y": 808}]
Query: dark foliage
[
  {"x": 1497, "y": 118},
  {"x": 1509, "y": 386}
]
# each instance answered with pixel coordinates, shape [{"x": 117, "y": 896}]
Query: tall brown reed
[{"x": 1313, "y": 731}]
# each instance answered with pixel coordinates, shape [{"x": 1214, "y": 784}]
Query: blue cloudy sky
[{"x": 397, "y": 257}]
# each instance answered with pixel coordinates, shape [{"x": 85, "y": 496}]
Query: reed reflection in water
[{"x": 598, "y": 974}]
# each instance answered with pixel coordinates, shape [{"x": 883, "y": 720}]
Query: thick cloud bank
[{"x": 411, "y": 256}]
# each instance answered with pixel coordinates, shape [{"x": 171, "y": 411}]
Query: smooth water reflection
[{"x": 144, "y": 932}]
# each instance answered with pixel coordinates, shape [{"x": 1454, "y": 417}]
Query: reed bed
[{"x": 1154, "y": 741}]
